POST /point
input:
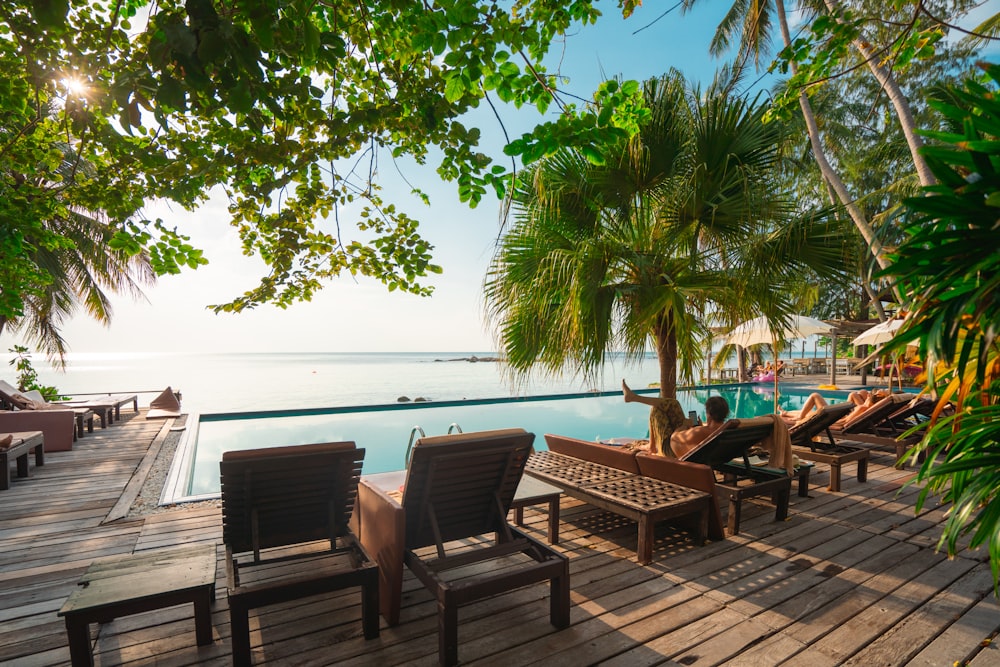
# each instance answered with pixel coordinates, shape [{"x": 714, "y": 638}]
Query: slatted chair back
[
  {"x": 288, "y": 495},
  {"x": 869, "y": 420},
  {"x": 462, "y": 485},
  {"x": 731, "y": 441},
  {"x": 914, "y": 413},
  {"x": 802, "y": 434}
]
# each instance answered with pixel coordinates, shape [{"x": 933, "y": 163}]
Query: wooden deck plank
[
  {"x": 906, "y": 638},
  {"x": 974, "y": 630},
  {"x": 851, "y": 577},
  {"x": 852, "y": 635}
]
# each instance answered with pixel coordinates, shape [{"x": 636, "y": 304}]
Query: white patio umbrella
[
  {"x": 758, "y": 331},
  {"x": 878, "y": 334},
  {"x": 882, "y": 332}
]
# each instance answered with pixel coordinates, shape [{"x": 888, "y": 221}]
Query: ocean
[
  {"x": 245, "y": 382},
  {"x": 242, "y": 382}
]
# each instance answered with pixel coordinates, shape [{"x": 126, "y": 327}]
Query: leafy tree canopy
[
  {"x": 948, "y": 264},
  {"x": 895, "y": 37},
  {"x": 281, "y": 105}
]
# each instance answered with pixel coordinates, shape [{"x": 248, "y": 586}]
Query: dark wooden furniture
[
  {"x": 875, "y": 428},
  {"x": 531, "y": 491},
  {"x": 21, "y": 444},
  {"x": 461, "y": 486},
  {"x": 645, "y": 500},
  {"x": 145, "y": 581},
  {"x": 807, "y": 443},
  {"x": 107, "y": 406},
  {"x": 735, "y": 490},
  {"x": 727, "y": 452},
  {"x": 84, "y": 420},
  {"x": 285, "y": 514}
]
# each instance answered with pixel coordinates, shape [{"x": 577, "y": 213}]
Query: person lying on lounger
[
  {"x": 667, "y": 421},
  {"x": 862, "y": 400},
  {"x": 684, "y": 440},
  {"x": 665, "y": 417}
]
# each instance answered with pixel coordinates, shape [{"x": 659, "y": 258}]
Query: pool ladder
[{"x": 452, "y": 428}]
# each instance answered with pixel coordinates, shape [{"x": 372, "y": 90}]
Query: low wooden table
[
  {"x": 21, "y": 445},
  {"x": 836, "y": 456},
  {"x": 131, "y": 584},
  {"x": 645, "y": 500},
  {"x": 531, "y": 491},
  {"x": 762, "y": 481}
]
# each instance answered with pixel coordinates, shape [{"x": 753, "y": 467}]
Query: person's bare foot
[{"x": 627, "y": 392}]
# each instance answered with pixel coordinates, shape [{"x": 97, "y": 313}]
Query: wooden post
[{"x": 833, "y": 358}]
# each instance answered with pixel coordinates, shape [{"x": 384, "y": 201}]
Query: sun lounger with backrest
[
  {"x": 285, "y": 514},
  {"x": 727, "y": 452},
  {"x": 808, "y": 443},
  {"x": 59, "y": 427},
  {"x": 870, "y": 427},
  {"x": 16, "y": 447},
  {"x": 460, "y": 487}
]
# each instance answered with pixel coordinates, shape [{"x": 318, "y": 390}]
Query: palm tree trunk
[
  {"x": 829, "y": 173},
  {"x": 666, "y": 354},
  {"x": 899, "y": 103}
]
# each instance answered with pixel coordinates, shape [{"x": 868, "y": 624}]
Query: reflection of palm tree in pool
[{"x": 756, "y": 403}]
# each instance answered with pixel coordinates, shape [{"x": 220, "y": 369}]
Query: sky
[{"x": 360, "y": 315}]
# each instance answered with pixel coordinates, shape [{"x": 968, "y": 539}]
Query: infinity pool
[{"x": 384, "y": 430}]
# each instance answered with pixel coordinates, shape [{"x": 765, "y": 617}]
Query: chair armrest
[{"x": 380, "y": 524}]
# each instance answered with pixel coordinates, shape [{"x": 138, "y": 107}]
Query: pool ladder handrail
[{"x": 415, "y": 430}]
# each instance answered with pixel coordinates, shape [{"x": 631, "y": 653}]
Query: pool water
[{"x": 384, "y": 431}]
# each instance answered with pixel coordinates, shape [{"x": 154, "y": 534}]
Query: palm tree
[
  {"x": 751, "y": 22},
  {"x": 77, "y": 265},
  {"x": 674, "y": 225}
]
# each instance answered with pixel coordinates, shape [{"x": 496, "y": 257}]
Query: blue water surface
[{"x": 384, "y": 431}]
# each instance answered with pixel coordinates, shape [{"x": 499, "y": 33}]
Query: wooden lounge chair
[
  {"x": 807, "y": 443},
  {"x": 106, "y": 406},
  {"x": 913, "y": 413},
  {"x": 285, "y": 513},
  {"x": 726, "y": 452},
  {"x": 873, "y": 427},
  {"x": 460, "y": 487},
  {"x": 16, "y": 447}
]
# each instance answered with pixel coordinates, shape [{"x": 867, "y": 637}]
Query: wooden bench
[
  {"x": 21, "y": 445},
  {"x": 645, "y": 500},
  {"x": 135, "y": 583}
]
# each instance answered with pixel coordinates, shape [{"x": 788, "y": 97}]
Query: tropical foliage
[
  {"x": 27, "y": 376},
  {"x": 860, "y": 135},
  {"x": 77, "y": 271},
  {"x": 838, "y": 37},
  {"x": 284, "y": 107},
  {"x": 652, "y": 239},
  {"x": 949, "y": 266}
]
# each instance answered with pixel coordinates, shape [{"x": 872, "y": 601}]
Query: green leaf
[
  {"x": 454, "y": 89},
  {"x": 50, "y": 14}
]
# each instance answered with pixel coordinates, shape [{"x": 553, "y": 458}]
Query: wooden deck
[{"x": 850, "y": 578}]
